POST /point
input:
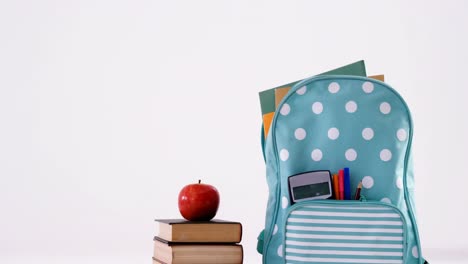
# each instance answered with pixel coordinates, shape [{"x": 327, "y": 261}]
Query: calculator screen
[{"x": 311, "y": 190}]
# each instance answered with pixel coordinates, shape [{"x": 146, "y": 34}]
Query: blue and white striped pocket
[{"x": 331, "y": 231}]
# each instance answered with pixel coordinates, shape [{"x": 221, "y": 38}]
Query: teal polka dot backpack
[{"x": 323, "y": 125}]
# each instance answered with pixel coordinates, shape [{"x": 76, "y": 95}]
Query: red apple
[{"x": 198, "y": 202}]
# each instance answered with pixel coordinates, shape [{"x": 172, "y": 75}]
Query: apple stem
[{"x": 199, "y": 181}]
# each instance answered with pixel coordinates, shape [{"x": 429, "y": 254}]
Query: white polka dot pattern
[
  {"x": 368, "y": 87},
  {"x": 333, "y": 133},
  {"x": 284, "y": 202},
  {"x": 316, "y": 155},
  {"x": 336, "y": 92},
  {"x": 367, "y": 182},
  {"x": 301, "y": 90},
  {"x": 328, "y": 124},
  {"x": 351, "y": 154},
  {"x": 401, "y": 134},
  {"x": 280, "y": 251},
  {"x": 300, "y": 134},
  {"x": 385, "y": 155},
  {"x": 386, "y": 200},
  {"x": 285, "y": 109},
  {"x": 333, "y": 87},
  {"x": 275, "y": 230},
  {"x": 351, "y": 107},
  {"x": 385, "y": 108},
  {"x": 414, "y": 252},
  {"x": 399, "y": 183},
  {"x": 317, "y": 108},
  {"x": 284, "y": 154},
  {"x": 367, "y": 133}
]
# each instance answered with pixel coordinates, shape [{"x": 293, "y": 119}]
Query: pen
[
  {"x": 347, "y": 185},
  {"x": 341, "y": 184},
  {"x": 357, "y": 196}
]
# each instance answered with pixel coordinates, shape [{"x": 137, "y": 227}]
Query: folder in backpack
[{"x": 270, "y": 99}]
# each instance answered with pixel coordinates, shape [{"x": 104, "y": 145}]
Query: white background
[{"x": 108, "y": 108}]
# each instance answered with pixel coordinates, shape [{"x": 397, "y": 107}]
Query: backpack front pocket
[{"x": 329, "y": 231}]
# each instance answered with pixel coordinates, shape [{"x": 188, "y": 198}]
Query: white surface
[
  {"x": 434, "y": 255},
  {"x": 108, "y": 108}
]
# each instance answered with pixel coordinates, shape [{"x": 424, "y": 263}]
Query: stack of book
[{"x": 202, "y": 242}]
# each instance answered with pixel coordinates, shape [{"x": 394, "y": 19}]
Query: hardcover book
[
  {"x": 215, "y": 231},
  {"x": 168, "y": 252}
]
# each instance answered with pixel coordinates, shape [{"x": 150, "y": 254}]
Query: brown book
[
  {"x": 156, "y": 261},
  {"x": 196, "y": 253},
  {"x": 215, "y": 231}
]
